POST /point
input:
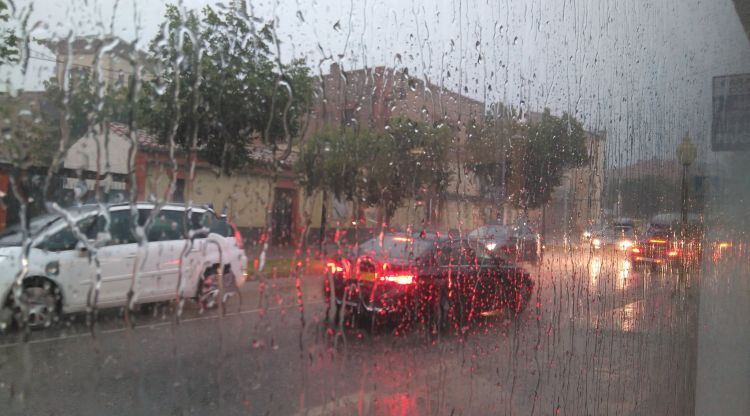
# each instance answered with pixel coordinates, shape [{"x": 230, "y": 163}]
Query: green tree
[
  {"x": 540, "y": 158},
  {"x": 27, "y": 135},
  {"x": 218, "y": 84},
  {"x": 34, "y": 130},
  {"x": 88, "y": 103},
  {"x": 488, "y": 148},
  {"x": 8, "y": 39},
  {"x": 329, "y": 162},
  {"x": 411, "y": 162},
  {"x": 408, "y": 161}
]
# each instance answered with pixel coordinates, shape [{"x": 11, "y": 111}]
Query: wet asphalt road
[{"x": 598, "y": 338}]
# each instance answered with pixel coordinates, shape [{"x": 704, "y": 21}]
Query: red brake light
[
  {"x": 657, "y": 241},
  {"x": 398, "y": 277},
  {"x": 636, "y": 250},
  {"x": 673, "y": 253},
  {"x": 402, "y": 279},
  {"x": 238, "y": 238}
]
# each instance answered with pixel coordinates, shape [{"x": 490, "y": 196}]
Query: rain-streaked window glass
[{"x": 374, "y": 207}]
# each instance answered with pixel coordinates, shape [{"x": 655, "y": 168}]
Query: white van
[{"x": 95, "y": 257}]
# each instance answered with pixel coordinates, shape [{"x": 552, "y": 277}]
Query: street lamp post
[{"x": 686, "y": 155}]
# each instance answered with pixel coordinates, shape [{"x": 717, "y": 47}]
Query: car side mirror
[{"x": 81, "y": 249}]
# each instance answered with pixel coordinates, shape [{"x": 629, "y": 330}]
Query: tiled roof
[{"x": 145, "y": 139}]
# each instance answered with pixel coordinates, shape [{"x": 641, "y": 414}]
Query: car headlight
[
  {"x": 587, "y": 235},
  {"x": 596, "y": 242},
  {"x": 491, "y": 246},
  {"x": 625, "y": 244}
]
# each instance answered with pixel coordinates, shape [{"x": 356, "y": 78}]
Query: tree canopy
[
  {"x": 218, "y": 83},
  {"x": 407, "y": 161},
  {"x": 8, "y": 39},
  {"x": 539, "y": 158},
  {"x": 489, "y": 146}
]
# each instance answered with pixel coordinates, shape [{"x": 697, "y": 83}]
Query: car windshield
[
  {"x": 624, "y": 231},
  {"x": 13, "y": 236},
  {"x": 496, "y": 232},
  {"x": 397, "y": 247}
]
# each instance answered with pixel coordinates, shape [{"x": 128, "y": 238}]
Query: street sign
[{"x": 730, "y": 129}]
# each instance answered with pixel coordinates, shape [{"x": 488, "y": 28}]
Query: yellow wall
[{"x": 246, "y": 198}]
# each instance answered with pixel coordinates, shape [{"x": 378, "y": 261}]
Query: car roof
[{"x": 167, "y": 205}]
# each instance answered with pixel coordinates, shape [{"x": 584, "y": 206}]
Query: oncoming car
[
  {"x": 519, "y": 243},
  {"x": 620, "y": 237},
  {"x": 182, "y": 252},
  {"x": 435, "y": 280}
]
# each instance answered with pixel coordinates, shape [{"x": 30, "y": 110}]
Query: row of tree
[
  {"x": 409, "y": 160},
  {"x": 520, "y": 163},
  {"x": 525, "y": 161}
]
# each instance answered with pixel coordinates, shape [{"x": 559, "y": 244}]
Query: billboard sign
[{"x": 730, "y": 129}]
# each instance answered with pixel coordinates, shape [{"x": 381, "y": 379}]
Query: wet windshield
[{"x": 374, "y": 207}]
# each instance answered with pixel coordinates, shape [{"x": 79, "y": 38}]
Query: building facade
[{"x": 368, "y": 99}]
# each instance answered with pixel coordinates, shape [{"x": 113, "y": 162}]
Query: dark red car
[{"x": 431, "y": 279}]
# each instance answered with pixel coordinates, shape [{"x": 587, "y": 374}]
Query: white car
[
  {"x": 174, "y": 260},
  {"x": 619, "y": 237}
]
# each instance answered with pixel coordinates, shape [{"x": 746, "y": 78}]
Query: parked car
[
  {"x": 431, "y": 279},
  {"x": 663, "y": 242},
  {"x": 518, "y": 243},
  {"x": 181, "y": 248}
]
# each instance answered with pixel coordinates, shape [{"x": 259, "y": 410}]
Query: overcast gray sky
[{"x": 640, "y": 69}]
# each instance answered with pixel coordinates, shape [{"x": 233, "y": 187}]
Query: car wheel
[
  {"x": 208, "y": 291},
  {"x": 42, "y": 306}
]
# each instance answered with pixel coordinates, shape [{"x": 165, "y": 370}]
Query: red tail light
[
  {"x": 238, "y": 238},
  {"x": 401, "y": 277},
  {"x": 673, "y": 253},
  {"x": 636, "y": 250},
  {"x": 657, "y": 241}
]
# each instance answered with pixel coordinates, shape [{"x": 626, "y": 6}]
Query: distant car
[
  {"x": 182, "y": 249},
  {"x": 518, "y": 243},
  {"x": 617, "y": 236},
  {"x": 429, "y": 279},
  {"x": 663, "y": 242},
  {"x": 722, "y": 242}
]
